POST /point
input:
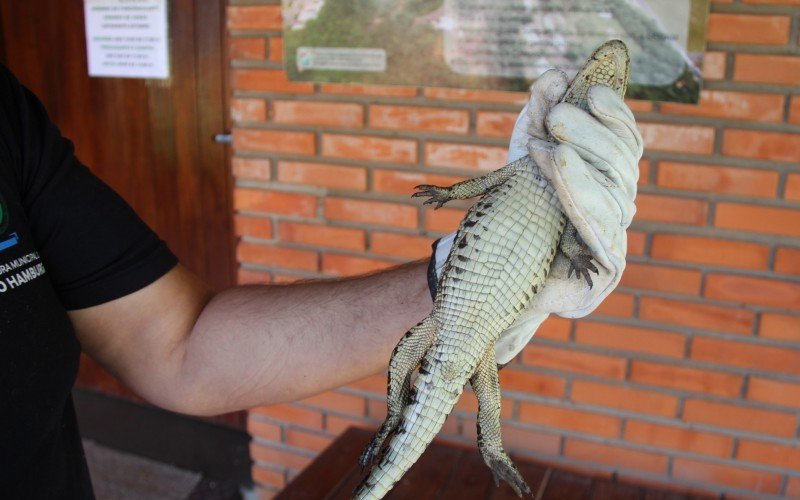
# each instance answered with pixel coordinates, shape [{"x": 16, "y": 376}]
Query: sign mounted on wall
[
  {"x": 494, "y": 44},
  {"x": 127, "y": 38}
]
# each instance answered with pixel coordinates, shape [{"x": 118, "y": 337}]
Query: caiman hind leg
[
  {"x": 486, "y": 385},
  {"x": 467, "y": 189},
  {"x": 405, "y": 359},
  {"x": 579, "y": 255}
]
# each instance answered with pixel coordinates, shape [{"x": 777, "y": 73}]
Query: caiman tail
[{"x": 431, "y": 403}]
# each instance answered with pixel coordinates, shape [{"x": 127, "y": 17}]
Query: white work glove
[{"x": 594, "y": 169}]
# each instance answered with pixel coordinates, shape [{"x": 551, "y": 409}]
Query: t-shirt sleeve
[{"x": 95, "y": 248}]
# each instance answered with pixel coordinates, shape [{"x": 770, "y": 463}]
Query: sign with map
[{"x": 494, "y": 44}]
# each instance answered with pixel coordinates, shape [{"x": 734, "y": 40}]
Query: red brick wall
[{"x": 689, "y": 374}]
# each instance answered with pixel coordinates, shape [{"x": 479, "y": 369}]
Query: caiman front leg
[
  {"x": 405, "y": 358},
  {"x": 466, "y": 189},
  {"x": 486, "y": 385},
  {"x": 578, "y": 254}
]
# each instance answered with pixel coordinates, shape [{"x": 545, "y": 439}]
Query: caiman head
[{"x": 609, "y": 66}]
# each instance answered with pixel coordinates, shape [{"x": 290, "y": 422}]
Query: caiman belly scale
[{"x": 501, "y": 256}]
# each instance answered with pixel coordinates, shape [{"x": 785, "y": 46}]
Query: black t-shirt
[{"x": 67, "y": 241}]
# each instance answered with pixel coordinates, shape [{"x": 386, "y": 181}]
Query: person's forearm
[{"x": 256, "y": 345}]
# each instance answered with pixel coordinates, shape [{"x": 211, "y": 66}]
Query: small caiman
[{"x": 500, "y": 257}]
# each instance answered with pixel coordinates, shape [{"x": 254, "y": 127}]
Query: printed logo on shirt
[
  {"x": 6, "y": 241},
  {"x": 21, "y": 270}
]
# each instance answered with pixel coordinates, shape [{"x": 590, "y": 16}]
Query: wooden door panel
[{"x": 150, "y": 140}]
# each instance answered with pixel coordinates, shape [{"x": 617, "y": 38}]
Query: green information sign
[{"x": 494, "y": 44}]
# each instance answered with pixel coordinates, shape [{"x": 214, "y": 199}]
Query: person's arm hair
[{"x": 183, "y": 348}]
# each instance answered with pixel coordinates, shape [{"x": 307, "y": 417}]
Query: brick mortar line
[
  {"x": 328, "y": 411},
  {"x": 326, "y": 250},
  {"x": 743, "y": 86},
  {"x": 730, "y": 63},
  {"x": 712, "y": 232},
  {"x": 674, "y": 422},
  {"x": 631, "y": 445},
  {"x": 652, "y": 174},
  {"x": 717, "y": 160},
  {"x": 753, "y": 307},
  {"x": 329, "y": 250},
  {"x": 290, "y": 245},
  {"x": 284, "y": 424},
  {"x": 797, "y": 429},
  {"x": 794, "y": 31},
  {"x": 348, "y": 162},
  {"x": 711, "y": 216},
  {"x": 337, "y": 223},
  {"x": 285, "y": 447},
  {"x": 751, "y": 48},
  {"x": 787, "y": 109},
  {"x": 720, "y": 123},
  {"x": 409, "y": 135},
  {"x": 718, "y": 269},
  {"x": 688, "y": 362},
  {"x": 680, "y": 395},
  {"x": 383, "y": 99},
  {"x": 773, "y": 257},
  {"x": 745, "y": 8},
  {"x": 703, "y": 332},
  {"x": 640, "y": 294},
  {"x": 718, "y": 197},
  {"x": 274, "y": 270},
  {"x": 325, "y": 193},
  {"x": 637, "y": 304},
  {"x": 783, "y": 486},
  {"x": 783, "y": 181},
  {"x": 416, "y": 102},
  {"x": 678, "y": 392},
  {"x": 719, "y": 137},
  {"x": 278, "y": 187},
  {"x": 323, "y": 252}
]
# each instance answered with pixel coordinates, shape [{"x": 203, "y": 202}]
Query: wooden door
[{"x": 151, "y": 140}]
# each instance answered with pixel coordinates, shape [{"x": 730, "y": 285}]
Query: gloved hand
[{"x": 593, "y": 167}]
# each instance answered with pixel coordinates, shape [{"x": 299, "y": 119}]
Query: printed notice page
[{"x": 127, "y": 38}]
